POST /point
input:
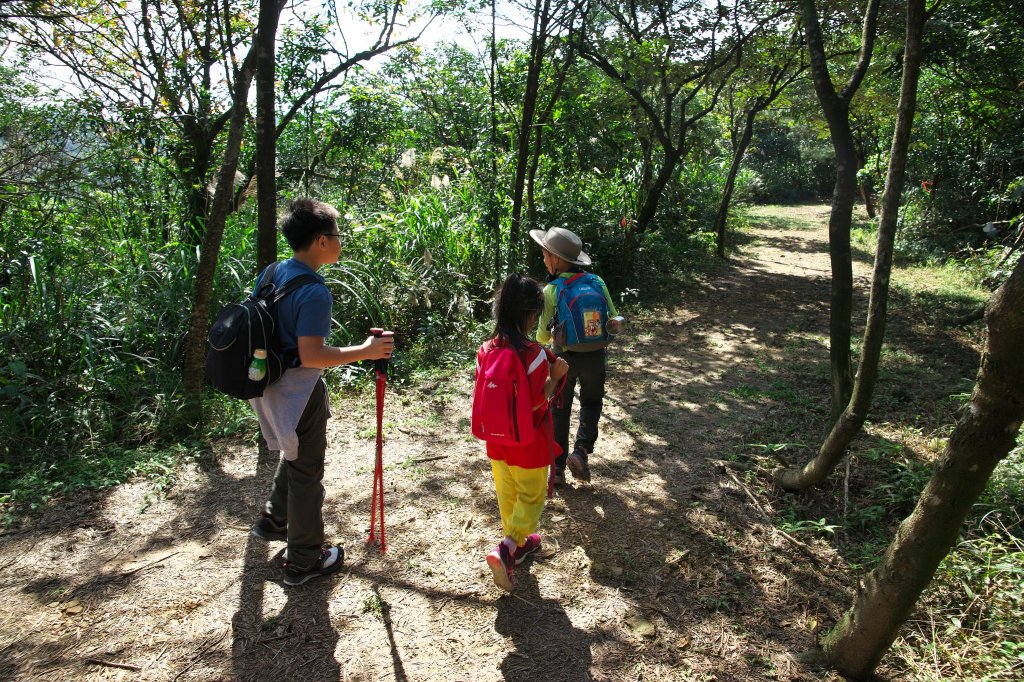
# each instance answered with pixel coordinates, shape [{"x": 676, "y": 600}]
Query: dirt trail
[{"x": 663, "y": 569}]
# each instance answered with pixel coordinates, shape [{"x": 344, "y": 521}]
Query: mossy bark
[
  {"x": 985, "y": 433},
  {"x": 195, "y": 344}
]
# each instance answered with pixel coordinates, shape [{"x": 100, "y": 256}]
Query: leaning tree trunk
[
  {"x": 656, "y": 188},
  {"x": 984, "y": 434},
  {"x": 836, "y": 108},
  {"x": 852, "y": 418},
  {"x": 538, "y": 42},
  {"x": 635, "y": 229},
  {"x": 730, "y": 180},
  {"x": 266, "y": 134},
  {"x": 538, "y": 144},
  {"x": 195, "y": 344}
]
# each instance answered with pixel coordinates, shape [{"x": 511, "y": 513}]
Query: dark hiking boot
[
  {"x": 269, "y": 529},
  {"x": 577, "y": 463}
]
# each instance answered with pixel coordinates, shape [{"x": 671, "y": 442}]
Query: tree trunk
[
  {"x": 542, "y": 120},
  {"x": 537, "y": 46},
  {"x": 852, "y": 418},
  {"x": 266, "y": 135},
  {"x": 193, "y": 162},
  {"x": 841, "y": 258},
  {"x": 617, "y": 279},
  {"x": 730, "y": 181},
  {"x": 493, "y": 205},
  {"x": 836, "y": 108},
  {"x": 865, "y": 195},
  {"x": 984, "y": 434},
  {"x": 531, "y": 178},
  {"x": 195, "y": 344},
  {"x": 865, "y": 188},
  {"x": 649, "y": 206}
]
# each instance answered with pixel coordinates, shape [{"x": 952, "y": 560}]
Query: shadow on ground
[{"x": 668, "y": 567}]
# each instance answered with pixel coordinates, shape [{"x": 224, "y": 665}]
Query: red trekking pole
[{"x": 380, "y": 370}]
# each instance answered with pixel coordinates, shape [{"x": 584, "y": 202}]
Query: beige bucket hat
[{"x": 562, "y": 243}]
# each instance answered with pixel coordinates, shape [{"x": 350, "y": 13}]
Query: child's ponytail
[{"x": 518, "y": 298}]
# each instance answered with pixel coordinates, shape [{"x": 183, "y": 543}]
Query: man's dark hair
[
  {"x": 305, "y": 220},
  {"x": 518, "y": 298}
]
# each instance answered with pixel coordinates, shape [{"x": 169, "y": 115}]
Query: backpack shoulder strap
[
  {"x": 265, "y": 278},
  {"x": 273, "y": 294},
  {"x": 293, "y": 284},
  {"x": 522, "y": 353},
  {"x": 562, "y": 284}
]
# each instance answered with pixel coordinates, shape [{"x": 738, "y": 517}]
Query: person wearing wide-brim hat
[
  {"x": 562, "y": 243},
  {"x": 564, "y": 259}
]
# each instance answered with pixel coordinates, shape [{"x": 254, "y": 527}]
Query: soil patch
[{"x": 667, "y": 567}]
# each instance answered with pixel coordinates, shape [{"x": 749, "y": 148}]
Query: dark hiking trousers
[
  {"x": 298, "y": 491},
  {"x": 588, "y": 369}
]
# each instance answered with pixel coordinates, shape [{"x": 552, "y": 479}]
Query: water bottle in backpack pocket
[{"x": 581, "y": 313}]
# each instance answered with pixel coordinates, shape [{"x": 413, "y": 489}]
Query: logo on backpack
[
  {"x": 581, "y": 313},
  {"x": 240, "y": 329},
  {"x": 502, "y": 412}
]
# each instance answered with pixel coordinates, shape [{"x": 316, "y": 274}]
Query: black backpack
[{"x": 243, "y": 327}]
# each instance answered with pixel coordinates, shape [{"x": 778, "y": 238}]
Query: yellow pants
[{"x": 521, "y": 494}]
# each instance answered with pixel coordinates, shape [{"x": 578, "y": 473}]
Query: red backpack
[{"x": 502, "y": 409}]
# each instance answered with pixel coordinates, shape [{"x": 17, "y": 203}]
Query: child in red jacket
[{"x": 521, "y": 471}]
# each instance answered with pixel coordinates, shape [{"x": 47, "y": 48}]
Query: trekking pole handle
[{"x": 381, "y": 365}]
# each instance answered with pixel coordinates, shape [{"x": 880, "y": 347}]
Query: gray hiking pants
[{"x": 298, "y": 491}]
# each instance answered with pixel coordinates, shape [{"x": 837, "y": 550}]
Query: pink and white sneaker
[
  {"x": 530, "y": 545},
  {"x": 502, "y": 566}
]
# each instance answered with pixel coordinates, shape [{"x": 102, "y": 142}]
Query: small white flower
[
  {"x": 408, "y": 158},
  {"x": 437, "y": 156},
  {"x": 445, "y": 181},
  {"x": 435, "y": 182}
]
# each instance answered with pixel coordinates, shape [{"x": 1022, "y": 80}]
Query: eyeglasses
[{"x": 331, "y": 234}]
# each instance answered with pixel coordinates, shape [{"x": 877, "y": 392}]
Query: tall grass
[{"x": 90, "y": 318}]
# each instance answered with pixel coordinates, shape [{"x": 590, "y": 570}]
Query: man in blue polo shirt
[{"x": 293, "y": 411}]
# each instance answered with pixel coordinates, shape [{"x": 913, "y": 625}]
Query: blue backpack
[{"x": 581, "y": 313}]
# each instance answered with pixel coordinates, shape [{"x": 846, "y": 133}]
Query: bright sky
[{"x": 471, "y": 33}]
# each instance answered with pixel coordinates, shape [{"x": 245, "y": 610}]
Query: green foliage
[
  {"x": 793, "y": 163},
  {"x": 964, "y": 174},
  {"x": 424, "y": 267},
  {"x": 819, "y": 527}
]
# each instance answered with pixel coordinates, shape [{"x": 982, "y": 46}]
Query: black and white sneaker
[{"x": 331, "y": 558}]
